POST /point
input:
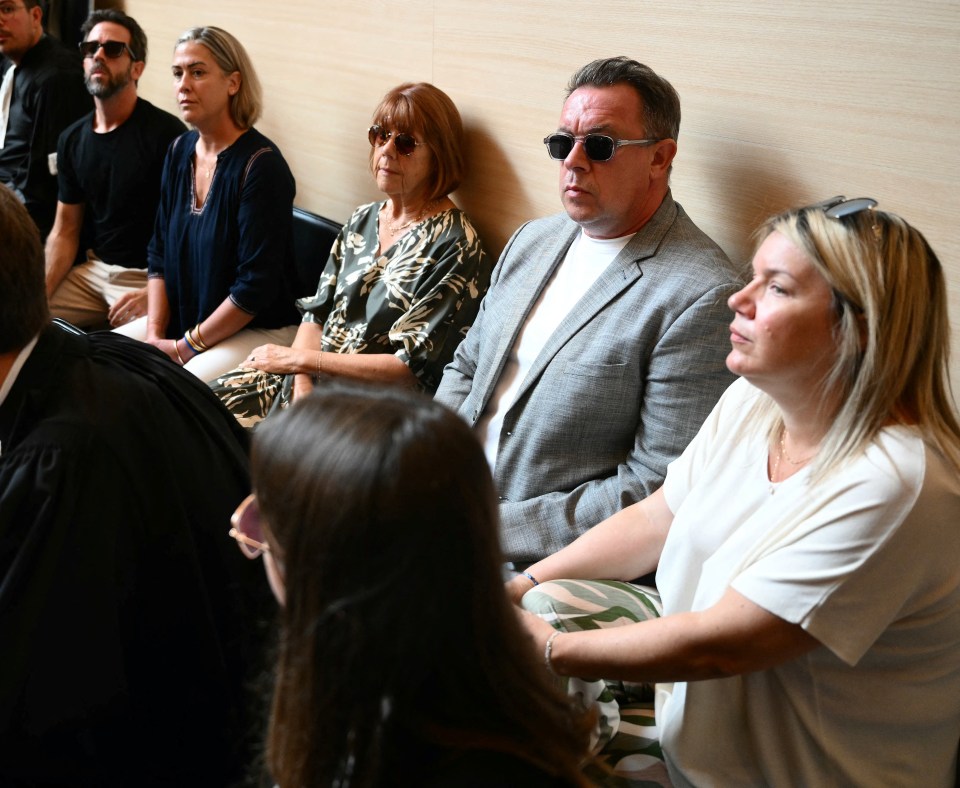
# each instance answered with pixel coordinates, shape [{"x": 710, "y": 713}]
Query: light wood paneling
[{"x": 782, "y": 103}]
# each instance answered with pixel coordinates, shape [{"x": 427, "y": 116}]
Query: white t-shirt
[
  {"x": 585, "y": 260},
  {"x": 868, "y": 562}
]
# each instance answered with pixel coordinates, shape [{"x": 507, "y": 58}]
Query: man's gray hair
[{"x": 661, "y": 104}]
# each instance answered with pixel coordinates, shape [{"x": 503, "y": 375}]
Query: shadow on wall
[
  {"x": 750, "y": 184},
  {"x": 492, "y": 194}
]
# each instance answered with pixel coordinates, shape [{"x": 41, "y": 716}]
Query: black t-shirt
[{"x": 117, "y": 175}]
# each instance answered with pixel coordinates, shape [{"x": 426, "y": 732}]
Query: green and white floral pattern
[{"x": 415, "y": 300}]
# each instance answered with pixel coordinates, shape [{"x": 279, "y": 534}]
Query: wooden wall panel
[{"x": 782, "y": 103}]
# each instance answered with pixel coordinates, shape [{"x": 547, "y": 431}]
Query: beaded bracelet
[{"x": 531, "y": 578}]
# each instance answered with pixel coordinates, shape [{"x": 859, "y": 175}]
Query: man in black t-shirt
[
  {"x": 109, "y": 165},
  {"x": 41, "y": 93}
]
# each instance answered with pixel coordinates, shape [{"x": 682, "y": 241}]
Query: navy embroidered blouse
[{"x": 239, "y": 244}]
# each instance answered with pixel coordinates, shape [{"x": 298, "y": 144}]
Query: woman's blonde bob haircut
[
  {"x": 246, "y": 105},
  {"x": 892, "y": 330},
  {"x": 426, "y": 112}
]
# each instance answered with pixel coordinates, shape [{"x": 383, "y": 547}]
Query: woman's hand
[
  {"x": 282, "y": 360},
  {"x": 517, "y": 587},
  {"x": 128, "y": 307},
  {"x": 538, "y": 629},
  {"x": 302, "y": 386},
  {"x": 169, "y": 347}
]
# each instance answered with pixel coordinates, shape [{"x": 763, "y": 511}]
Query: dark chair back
[{"x": 313, "y": 236}]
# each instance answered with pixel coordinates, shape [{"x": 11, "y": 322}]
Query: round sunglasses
[
  {"x": 598, "y": 147},
  {"x": 403, "y": 142}
]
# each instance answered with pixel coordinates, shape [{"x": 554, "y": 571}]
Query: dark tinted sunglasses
[
  {"x": 598, "y": 147},
  {"x": 403, "y": 142},
  {"x": 111, "y": 49},
  {"x": 248, "y": 528}
]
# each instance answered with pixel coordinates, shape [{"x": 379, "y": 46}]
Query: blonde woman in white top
[{"x": 807, "y": 542}]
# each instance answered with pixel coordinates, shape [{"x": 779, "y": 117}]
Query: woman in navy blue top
[{"x": 221, "y": 260}]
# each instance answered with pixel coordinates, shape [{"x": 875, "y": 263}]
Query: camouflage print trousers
[{"x": 626, "y": 742}]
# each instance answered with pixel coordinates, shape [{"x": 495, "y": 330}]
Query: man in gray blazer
[{"x": 599, "y": 349}]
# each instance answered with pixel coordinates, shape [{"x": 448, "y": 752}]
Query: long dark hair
[{"x": 380, "y": 510}]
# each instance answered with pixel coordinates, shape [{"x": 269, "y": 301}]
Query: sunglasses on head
[
  {"x": 111, "y": 49},
  {"x": 598, "y": 147},
  {"x": 247, "y": 528},
  {"x": 403, "y": 142},
  {"x": 839, "y": 206}
]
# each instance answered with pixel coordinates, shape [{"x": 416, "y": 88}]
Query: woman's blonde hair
[
  {"x": 246, "y": 105},
  {"x": 892, "y": 330},
  {"x": 424, "y": 110}
]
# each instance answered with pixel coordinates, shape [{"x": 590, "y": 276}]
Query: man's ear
[
  {"x": 663, "y": 157},
  {"x": 36, "y": 15}
]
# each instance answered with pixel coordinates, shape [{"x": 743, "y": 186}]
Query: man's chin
[
  {"x": 577, "y": 211},
  {"x": 103, "y": 90}
]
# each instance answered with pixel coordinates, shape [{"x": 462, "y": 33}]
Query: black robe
[{"x": 129, "y": 620}]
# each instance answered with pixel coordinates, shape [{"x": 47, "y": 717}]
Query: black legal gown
[{"x": 130, "y": 624}]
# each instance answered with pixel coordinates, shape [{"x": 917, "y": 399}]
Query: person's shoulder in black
[{"x": 133, "y": 613}]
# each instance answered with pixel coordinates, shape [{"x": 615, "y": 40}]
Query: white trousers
[{"x": 225, "y": 355}]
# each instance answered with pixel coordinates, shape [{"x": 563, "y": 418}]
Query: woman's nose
[{"x": 742, "y": 299}]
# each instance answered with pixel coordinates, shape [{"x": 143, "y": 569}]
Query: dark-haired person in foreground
[
  {"x": 126, "y": 627},
  {"x": 381, "y": 680},
  {"x": 599, "y": 348},
  {"x": 109, "y": 164}
]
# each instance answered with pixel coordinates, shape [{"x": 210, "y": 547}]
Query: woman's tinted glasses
[
  {"x": 111, "y": 49},
  {"x": 598, "y": 147},
  {"x": 248, "y": 528},
  {"x": 403, "y": 142}
]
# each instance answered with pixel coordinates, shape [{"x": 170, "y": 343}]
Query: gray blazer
[{"x": 620, "y": 388}]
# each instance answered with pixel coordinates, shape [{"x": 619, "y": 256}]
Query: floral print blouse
[{"x": 415, "y": 300}]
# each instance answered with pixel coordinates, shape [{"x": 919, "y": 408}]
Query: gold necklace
[
  {"x": 776, "y": 466},
  {"x": 783, "y": 449},
  {"x": 396, "y": 228},
  {"x": 781, "y": 453}
]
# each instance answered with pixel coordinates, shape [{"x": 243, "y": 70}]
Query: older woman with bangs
[
  {"x": 806, "y": 543},
  {"x": 220, "y": 265},
  {"x": 404, "y": 279}
]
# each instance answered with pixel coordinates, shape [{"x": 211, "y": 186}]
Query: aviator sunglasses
[
  {"x": 403, "y": 142},
  {"x": 112, "y": 49},
  {"x": 247, "y": 528},
  {"x": 598, "y": 147}
]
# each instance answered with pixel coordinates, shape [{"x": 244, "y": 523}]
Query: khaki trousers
[{"x": 87, "y": 292}]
